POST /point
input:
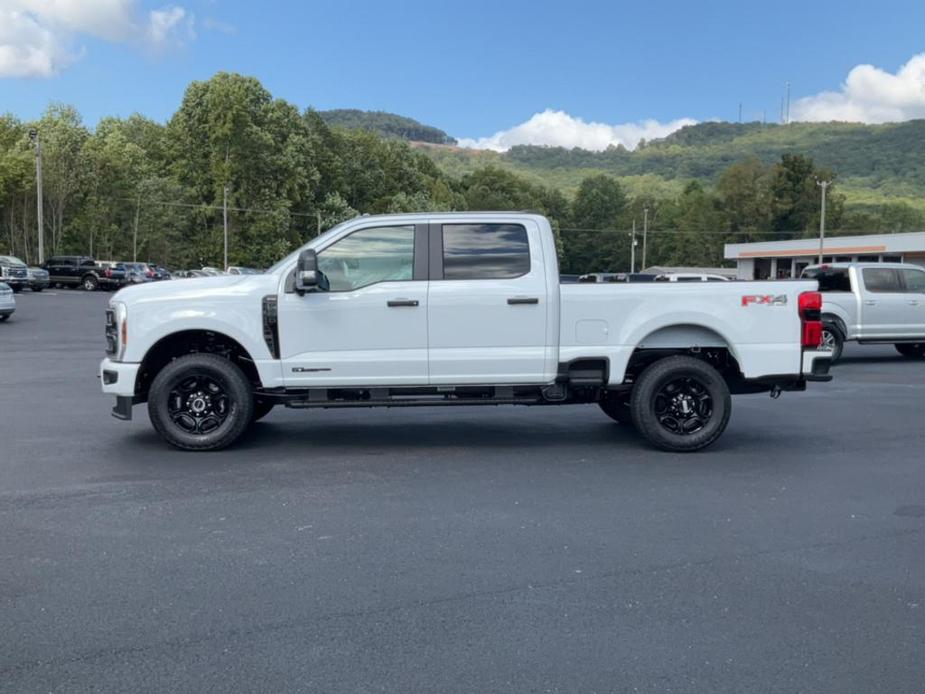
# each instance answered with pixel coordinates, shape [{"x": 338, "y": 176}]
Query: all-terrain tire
[
  {"x": 225, "y": 381},
  {"x": 698, "y": 386}
]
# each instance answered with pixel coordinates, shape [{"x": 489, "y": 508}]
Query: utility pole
[
  {"x": 225, "y": 224},
  {"x": 645, "y": 233},
  {"x": 135, "y": 230},
  {"x": 824, "y": 185},
  {"x": 39, "y": 210},
  {"x": 633, "y": 249},
  {"x": 318, "y": 213},
  {"x": 740, "y": 111},
  {"x": 787, "y": 113}
]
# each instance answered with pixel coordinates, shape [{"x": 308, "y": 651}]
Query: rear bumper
[{"x": 816, "y": 366}]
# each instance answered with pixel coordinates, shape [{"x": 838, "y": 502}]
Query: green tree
[{"x": 595, "y": 244}]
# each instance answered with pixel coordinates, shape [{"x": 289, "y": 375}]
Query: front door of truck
[
  {"x": 488, "y": 304},
  {"x": 370, "y": 327},
  {"x": 914, "y": 281},
  {"x": 885, "y": 309}
]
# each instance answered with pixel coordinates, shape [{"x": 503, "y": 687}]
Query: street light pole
[
  {"x": 39, "y": 210},
  {"x": 633, "y": 248},
  {"x": 225, "y": 224},
  {"x": 824, "y": 185},
  {"x": 645, "y": 234}
]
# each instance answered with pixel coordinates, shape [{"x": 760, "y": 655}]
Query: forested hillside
[
  {"x": 134, "y": 187},
  {"x": 875, "y": 163},
  {"x": 386, "y": 124}
]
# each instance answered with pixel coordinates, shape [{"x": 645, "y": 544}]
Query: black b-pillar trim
[
  {"x": 436, "y": 251},
  {"x": 421, "y": 253}
]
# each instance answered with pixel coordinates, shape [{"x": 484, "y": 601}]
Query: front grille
[
  {"x": 112, "y": 332},
  {"x": 19, "y": 272}
]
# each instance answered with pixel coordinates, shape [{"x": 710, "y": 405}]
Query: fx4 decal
[{"x": 764, "y": 300}]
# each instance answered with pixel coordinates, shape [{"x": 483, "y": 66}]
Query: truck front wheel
[
  {"x": 680, "y": 404},
  {"x": 200, "y": 402}
]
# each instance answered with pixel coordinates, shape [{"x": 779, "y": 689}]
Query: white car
[
  {"x": 7, "y": 301},
  {"x": 872, "y": 303},
  {"x": 451, "y": 309}
]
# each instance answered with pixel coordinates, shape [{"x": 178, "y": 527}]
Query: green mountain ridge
[
  {"x": 386, "y": 124},
  {"x": 874, "y": 164}
]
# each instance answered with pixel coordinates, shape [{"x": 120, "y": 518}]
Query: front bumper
[
  {"x": 16, "y": 282},
  {"x": 118, "y": 378}
]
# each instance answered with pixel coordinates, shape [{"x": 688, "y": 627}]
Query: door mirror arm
[{"x": 308, "y": 278}]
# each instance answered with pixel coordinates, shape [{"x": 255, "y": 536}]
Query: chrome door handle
[
  {"x": 913, "y": 302},
  {"x": 402, "y": 302},
  {"x": 870, "y": 302},
  {"x": 520, "y": 300}
]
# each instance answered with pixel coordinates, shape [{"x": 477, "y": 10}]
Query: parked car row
[{"x": 90, "y": 274}]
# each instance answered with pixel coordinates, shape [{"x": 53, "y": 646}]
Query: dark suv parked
[{"x": 83, "y": 271}]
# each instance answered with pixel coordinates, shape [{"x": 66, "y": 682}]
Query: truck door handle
[
  {"x": 518, "y": 300},
  {"x": 913, "y": 302},
  {"x": 402, "y": 302},
  {"x": 870, "y": 302}
]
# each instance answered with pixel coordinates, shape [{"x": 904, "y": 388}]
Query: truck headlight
[{"x": 116, "y": 329}]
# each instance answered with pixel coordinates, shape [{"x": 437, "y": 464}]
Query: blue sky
[{"x": 474, "y": 68}]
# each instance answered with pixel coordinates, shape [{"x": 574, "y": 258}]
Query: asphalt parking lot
[{"x": 455, "y": 550}]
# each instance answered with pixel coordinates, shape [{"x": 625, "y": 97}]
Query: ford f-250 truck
[
  {"x": 872, "y": 303},
  {"x": 452, "y": 309}
]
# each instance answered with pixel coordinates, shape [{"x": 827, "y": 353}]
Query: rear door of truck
[{"x": 487, "y": 303}]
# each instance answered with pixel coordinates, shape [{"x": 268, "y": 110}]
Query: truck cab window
[
  {"x": 881, "y": 280},
  {"x": 485, "y": 251},
  {"x": 368, "y": 256},
  {"x": 915, "y": 281}
]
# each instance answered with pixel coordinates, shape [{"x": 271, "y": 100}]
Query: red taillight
[
  {"x": 811, "y": 318},
  {"x": 107, "y": 272},
  {"x": 150, "y": 273}
]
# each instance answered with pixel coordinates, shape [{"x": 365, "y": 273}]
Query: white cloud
[
  {"x": 870, "y": 95},
  {"x": 169, "y": 23},
  {"x": 559, "y": 129},
  {"x": 38, "y": 37}
]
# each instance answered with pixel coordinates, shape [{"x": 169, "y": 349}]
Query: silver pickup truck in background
[{"x": 872, "y": 303}]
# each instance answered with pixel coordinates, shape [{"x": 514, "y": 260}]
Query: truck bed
[{"x": 758, "y": 322}]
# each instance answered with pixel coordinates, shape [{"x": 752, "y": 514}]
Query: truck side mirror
[{"x": 308, "y": 278}]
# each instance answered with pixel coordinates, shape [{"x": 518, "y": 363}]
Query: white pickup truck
[
  {"x": 872, "y": 303},
  {"x": 452, "y": 309}
]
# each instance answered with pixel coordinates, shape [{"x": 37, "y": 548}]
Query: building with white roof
[{"x": 783, "y": 259}]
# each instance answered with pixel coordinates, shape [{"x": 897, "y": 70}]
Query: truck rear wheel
[
  {"x": 90, "y": 283},
  {"x": 200, "y": 402},
  {"x": 681, "y": 404},
  {"x": 911, "y": 350}
]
